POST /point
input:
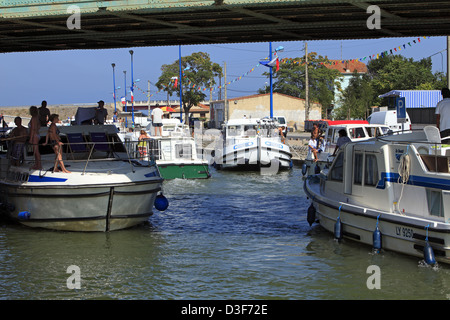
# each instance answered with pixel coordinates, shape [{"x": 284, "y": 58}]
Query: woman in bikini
[
  {"x": 55, "y": 142},
  {"x": 34, "y": 126}
]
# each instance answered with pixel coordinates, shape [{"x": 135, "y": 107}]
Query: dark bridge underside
[{"x": 215, "y": 22}]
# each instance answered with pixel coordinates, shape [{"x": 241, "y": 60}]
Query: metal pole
[
  {"x": 271, "y": 88},
  {"x": 114, "y": 84},
  {"x": 448, "y": 62},
  {"x": 225, "y": 98},
  {"x": 125, "y": 88},
  {"x": 148, "y": 98},
  {"x": 132, "y": 85},
  {"x": 179, "y": 83},
  {"x": 306, "y": 83}
]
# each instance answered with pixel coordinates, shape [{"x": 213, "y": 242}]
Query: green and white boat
[{"x": 175, "y": 151}]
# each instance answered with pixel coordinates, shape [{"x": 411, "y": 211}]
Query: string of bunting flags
[{"x": 276, "y": 61}]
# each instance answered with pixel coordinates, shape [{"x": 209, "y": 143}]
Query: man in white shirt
[
  {"x": 157, "y": 115},
  {"x": 443, "y": 114}
]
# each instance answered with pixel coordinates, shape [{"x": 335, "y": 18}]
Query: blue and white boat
[
  {"x": 104, "y": 191},
  {"x": 253, "y": 143},
  {"x": 390, "y": 192}
]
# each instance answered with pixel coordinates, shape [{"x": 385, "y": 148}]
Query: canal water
[{"x": 238, "y": 235}]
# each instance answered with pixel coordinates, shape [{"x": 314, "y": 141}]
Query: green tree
[
  {"x": 198, "y": 72},
  {"x": 356, "y": 98},
  {"x": 290, "y": 79},
  {"x": 395, "y": 72}
]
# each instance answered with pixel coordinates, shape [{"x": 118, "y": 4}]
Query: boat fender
[
  {"x": 161, "y": 202},
  {"x": 24, "y": 215},
  {"x": 338, "y": 227},
  {"x": 377, "y": 238},
  {"x": 428, "y": 252},
  {"x": 311, "y": 216},
  {"x": 304, "y": 168}
]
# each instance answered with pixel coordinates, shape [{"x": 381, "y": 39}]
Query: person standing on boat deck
[
  {"x": 44, "y": 114},
  {"x": 343, "y": 139},
  {"x": 100, "y": 113},
  {"x": 19, "y": 136},
  {"x": 443, "y": 113},
  {"x": 143, "y": 144},
  {"x": 55, "y": 141},
  {"x": 313, "y": 146},
  {"x": 34, "y": 125},
  {"x": 157, "y": 115}
]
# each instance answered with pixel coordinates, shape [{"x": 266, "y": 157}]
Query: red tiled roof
[{"x": 347, "y": 66}]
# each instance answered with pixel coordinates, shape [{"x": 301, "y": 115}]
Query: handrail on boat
[{"x": 90, "y": 151}]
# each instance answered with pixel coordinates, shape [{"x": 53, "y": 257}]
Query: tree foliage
[
  {"x": 198, "y": 70},
  {"x": 392, "y": 72}
]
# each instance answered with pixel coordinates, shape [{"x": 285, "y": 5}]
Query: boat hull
[
  {"x": 255, "y": 154},
  {"x": 187, "y": 170},
  {"x": 401, "y": 234},
  {"x": 81, "y": 208}
]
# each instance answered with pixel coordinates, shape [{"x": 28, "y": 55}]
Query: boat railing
[
  {"x": 86, "y": 152},
  {"x": 434, "y": 152}
]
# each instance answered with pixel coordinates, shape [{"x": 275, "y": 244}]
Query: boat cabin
[
  {"x": 356, "y": 132},
  {"x": 389, "y": 174}
]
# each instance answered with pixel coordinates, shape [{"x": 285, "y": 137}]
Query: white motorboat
[
  {"x": 253, "y": 143},
  {"x": 355, "y": 132},
  {"x": 386, "y": 193},
  {"x": 104, "y": 191},
  {"x": 175, "y": 151}
]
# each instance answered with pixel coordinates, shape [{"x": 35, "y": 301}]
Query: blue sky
[{"x": 85, "y": 76}]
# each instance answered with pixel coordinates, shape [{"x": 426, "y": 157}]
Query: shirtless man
[{"x": 34, "y": 126}]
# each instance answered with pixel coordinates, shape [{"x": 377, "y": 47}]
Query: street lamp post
[
  {"x": 132, "y": 85},
  {"x": 125, "y": 89},
  {"x": 181, "y": 89},
  {"x": 114, "y": 84}
]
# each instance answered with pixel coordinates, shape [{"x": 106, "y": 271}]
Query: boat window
[
  {"x": 183, "y": 151},
  {"x": 371, "y": 170},
  {"x": 169, "y": 127},
  {"x": 356, "y": 133},
  {"x": 337, "y": 170},
  {"x": 358, "y": 171},
  {"x": 234, "y": 130},
  {"x": 434, "y": 199}
]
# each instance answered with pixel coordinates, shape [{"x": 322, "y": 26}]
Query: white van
[{"x": 389, "y": 118}]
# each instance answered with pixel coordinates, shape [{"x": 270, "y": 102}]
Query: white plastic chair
[{"x": 433, "y": 136}]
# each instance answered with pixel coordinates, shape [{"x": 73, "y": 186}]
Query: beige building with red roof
[{"x": 258, "y": 106}]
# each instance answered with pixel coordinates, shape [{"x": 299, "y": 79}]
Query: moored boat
[
  {"x": 104, "y": 191},
  {"x": 253, "y": 144},
  {"x": 385, "y": 193},
  {"x": 175, "y": 151},
  {"x": 356, "y": 131}
]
